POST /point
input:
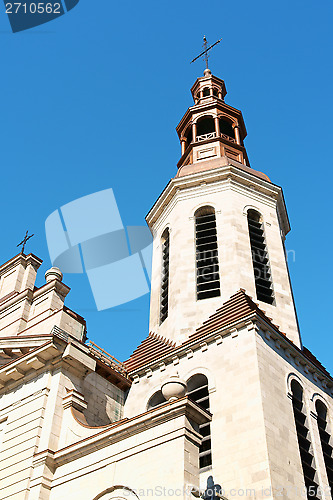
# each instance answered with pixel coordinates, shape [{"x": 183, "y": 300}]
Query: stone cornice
[
  {"x": 52, "y": 348},
  {"x": 58, "y": 345},
  {"x": 20, "y": 259},
  {"x": 56, "y": 285},
  {"x": 124, "y": 429},
  {"x": 219, "y": 174},
  {"x": 31, "y": 295},
  {"x": 25, "y": 295},
  {"x": 38, "y": 357}
]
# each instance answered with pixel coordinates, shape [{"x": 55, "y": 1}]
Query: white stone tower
[
  {"x": 223, "y": 320},
  {"x": 219, "y": 226}
]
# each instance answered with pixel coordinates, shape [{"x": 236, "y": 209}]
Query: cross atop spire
[
  {"x": 204, "y": 54},
  {"x": 24, "y": 241}
]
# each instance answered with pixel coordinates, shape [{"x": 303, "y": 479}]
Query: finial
[
  {"x": 173, "y": 388},
  {"x": 53, "y": 273},
  {"x": 204, "y": 53},
  {"x": 24, "y": 241}
]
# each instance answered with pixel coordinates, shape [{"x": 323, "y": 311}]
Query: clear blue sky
[{"x": 91, "y": 101}]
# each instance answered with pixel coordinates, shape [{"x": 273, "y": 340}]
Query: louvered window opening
[
  {"x": 164, "y": 304},
  {"x": 325, "y": 439},
  {"x": 261, "y": 266},
  {"x": 304, "y": 444},
  {"x": 208, "y": 276},
  {"x": 200, "y": 396}
]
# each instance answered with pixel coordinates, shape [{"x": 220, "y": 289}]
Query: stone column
[
  {"x": 237, "y": 135},
  {"x": 183, "y": 144},
  {"x": 217, "y": 126},
  {"x": 194, "y": 132}
]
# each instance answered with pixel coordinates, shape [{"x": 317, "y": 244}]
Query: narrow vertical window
[
  {"x": 260, "y": 260},
  {"x": 325, "y": 439},
  {"x": 208, "y": 276},
  {"x": 197, "y": 390},
  {"x": 164, "y": 299},
  {"x": 304, "y": 443}
]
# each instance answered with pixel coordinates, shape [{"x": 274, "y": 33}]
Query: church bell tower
[
  {"x": 218, "y": 129},
  {"x": 219, "y": 226}
]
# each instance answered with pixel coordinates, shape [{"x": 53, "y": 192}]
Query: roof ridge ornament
[{"x": 204, "y": 54}]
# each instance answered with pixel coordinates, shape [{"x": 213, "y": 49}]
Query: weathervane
[
  {"x": 24, "y": 241},
  {"x": 204, "y": 53}
]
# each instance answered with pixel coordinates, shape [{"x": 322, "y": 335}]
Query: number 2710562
[{"x": 33, "y": 8}]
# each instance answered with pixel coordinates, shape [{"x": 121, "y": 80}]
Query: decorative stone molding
[
  {"x": 44, "y": 462},
  {"x": 203, "y": 346},
  {"x": 182, "y": 411},
  {"x": 74, "y": 399},
  {"x": 251, "y": 326},
  {"x": 234, "y": 332},
  {"x": 36, "y": 362},
  {"x": 278, "y": 344},
  {"x": 14, "y": 373}
]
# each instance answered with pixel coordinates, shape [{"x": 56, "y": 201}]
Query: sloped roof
[
  {"x": 154, "y": 346},
  {"x": 236, "y": 308}
]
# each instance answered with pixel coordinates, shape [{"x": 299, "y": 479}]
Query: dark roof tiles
[
  {"x": 151, "y": 348},
  {"x": 237, "y": 308}
]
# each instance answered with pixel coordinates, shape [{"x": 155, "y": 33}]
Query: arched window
[
  {"x": 304, "y": 443},
  {"x": 208, "y": 276},
  {"x": 226, "y": 128},
  {"x": 156, "y": 400},
  {"x": 117, "y": 493},
  {"x": 325, "y": 439},
  {"x": 206, "y": 92},
  {"x": 205, "y": 125},
  {"x": 215, "y": 92},
  {"x": 197, "y": 390},
  {"x": 164, "y": 299},
  {"x": 261, "y": 265}
]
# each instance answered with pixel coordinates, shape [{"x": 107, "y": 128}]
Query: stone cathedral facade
[{"x": 221, "y": 400}]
